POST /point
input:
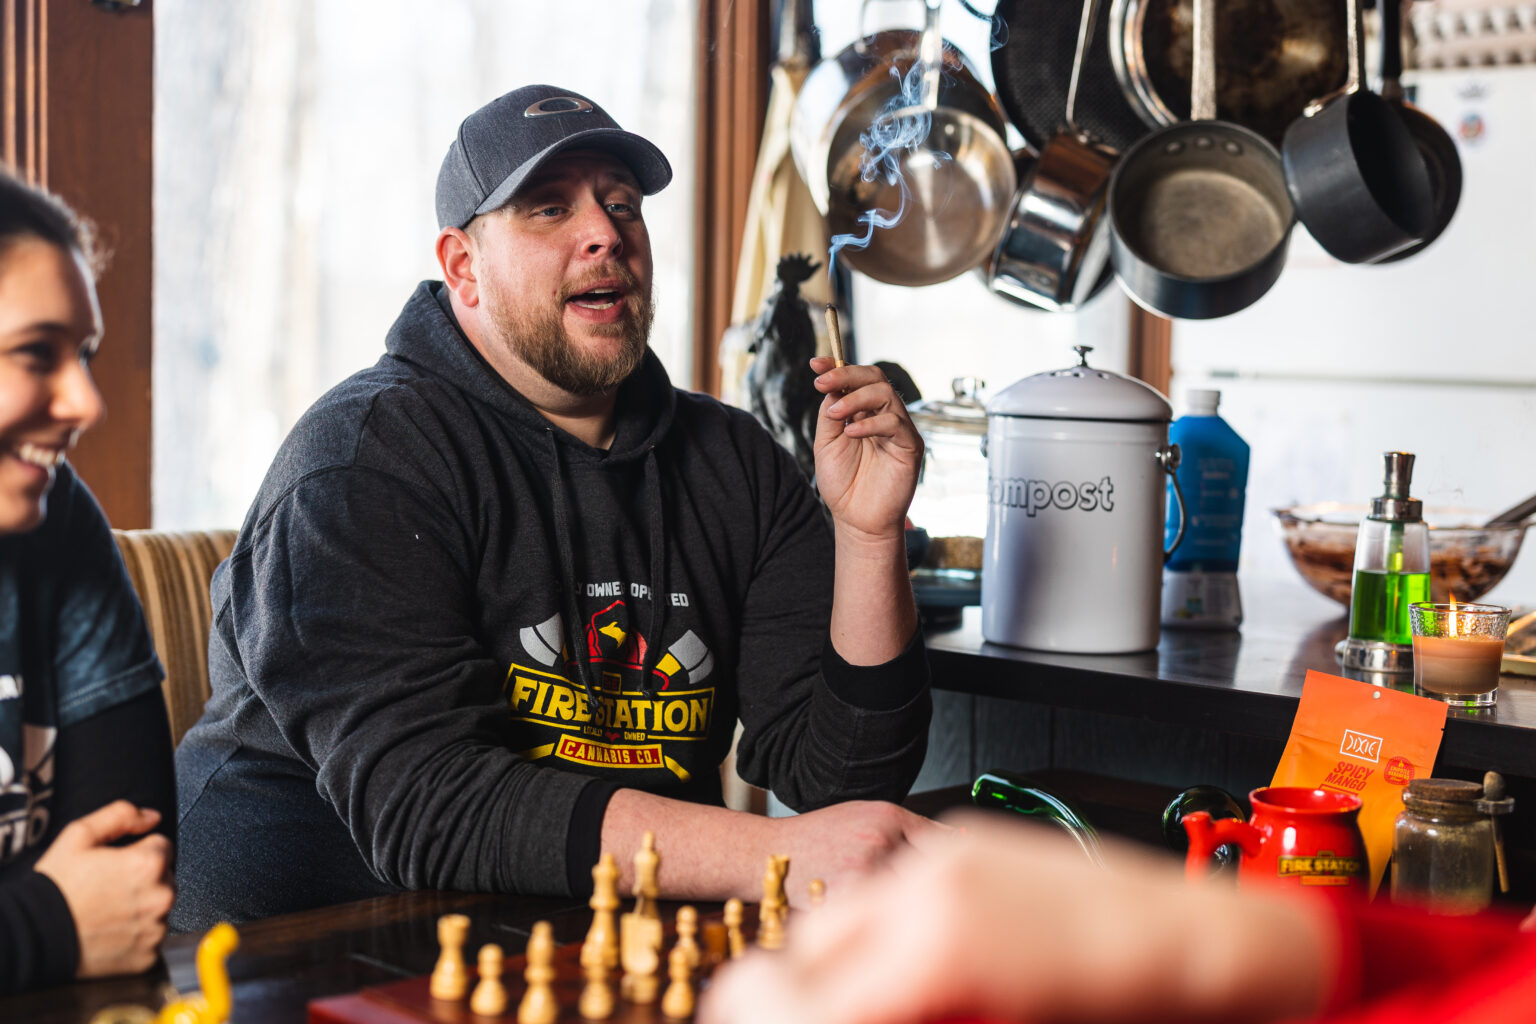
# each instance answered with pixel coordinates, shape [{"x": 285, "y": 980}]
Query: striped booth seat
[{"x": 171, "y": 572}]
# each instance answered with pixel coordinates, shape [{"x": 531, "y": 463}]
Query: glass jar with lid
[
  {"x": 951, "y": 498},
  {"x": 1442, "y": 847}
]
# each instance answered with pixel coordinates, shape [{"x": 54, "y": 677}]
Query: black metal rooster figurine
[{"x": 778, "y": 383}]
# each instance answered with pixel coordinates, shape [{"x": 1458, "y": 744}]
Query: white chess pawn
[
  {"x": 596, "y": 1001},
  {"x": 490, "y": 996},
  {"x": 538, "y": 1005},
  {"x": 735, "y": 942},
  {"x": 677, "y": 1004},
  {"x": 450, "y": 978}
]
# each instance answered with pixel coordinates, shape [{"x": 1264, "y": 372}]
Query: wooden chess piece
[
  {"x": 490, "y": 996},
  {"x": 818, "y": 892},
  {"x": 647, "y": 868},
  {"x": 677, "y": 1004},
  {"x": 596, "y": 1001},
  {"x": 735, "y": 943},
  {"x": 538, "y": 1005},
  {"x": 605, "y": 900},
  {"x": 774, "y": 896},
  {"x": 716, "y": 943},
  {"x": 770, "y": 928},
  {"x": 771, "y": 912},
  {"x": 640, "y": 938},
  {"x": 450, "y": 978},
  {"x": 687, "y": 935}
]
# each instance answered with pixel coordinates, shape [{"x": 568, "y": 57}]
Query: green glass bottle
[{"x": 1391, "y": 573}]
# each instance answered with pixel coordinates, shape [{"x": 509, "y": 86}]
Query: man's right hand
[
  {"x": 119, "y": 896},
  {"x": 846, "y": 842},
  {"x": 711, "y": 853}
]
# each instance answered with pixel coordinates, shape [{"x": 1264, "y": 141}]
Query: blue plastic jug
[{"x": 1200, "y": 580}]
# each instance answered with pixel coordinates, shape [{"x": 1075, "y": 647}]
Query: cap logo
[{"x": 558, "y": 105}]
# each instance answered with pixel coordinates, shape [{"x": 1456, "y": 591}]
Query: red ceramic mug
[{"x": 1307, "y": 837}]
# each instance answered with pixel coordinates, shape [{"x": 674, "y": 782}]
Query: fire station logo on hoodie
[{"x": 624, "y": 725}]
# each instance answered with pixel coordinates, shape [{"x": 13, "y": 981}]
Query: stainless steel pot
[
  {"x": 1055, "y": 247},
  {"x": 1199, "y": 215},
  {"x": 955, "y": 186}
]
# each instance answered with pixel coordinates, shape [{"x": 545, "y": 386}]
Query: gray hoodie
[{"x": 449, "y": 630}]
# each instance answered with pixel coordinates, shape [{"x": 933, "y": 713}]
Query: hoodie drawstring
[
  {"x": 658, "y": 580},
  {"x": 568, "y": 585},
  {"x": 571, "y": 611}
]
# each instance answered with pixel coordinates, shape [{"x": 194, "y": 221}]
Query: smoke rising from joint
[{"x": 902, "y": 126}]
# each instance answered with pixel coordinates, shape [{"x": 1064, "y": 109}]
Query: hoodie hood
[{"x": 427, "y": 335}]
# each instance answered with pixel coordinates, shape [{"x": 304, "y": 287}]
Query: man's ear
[{"x": 456, "y": 256}]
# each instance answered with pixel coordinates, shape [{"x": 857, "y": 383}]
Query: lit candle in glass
[{"x": 1457, "y": 650}]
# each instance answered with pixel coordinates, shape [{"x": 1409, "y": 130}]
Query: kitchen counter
[{"x": 1243, "y": 684}]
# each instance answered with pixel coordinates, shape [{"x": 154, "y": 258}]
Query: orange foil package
[{"x": 1352, "y": 737}]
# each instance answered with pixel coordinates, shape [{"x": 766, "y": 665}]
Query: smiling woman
[
  {"x": 296, "y": 147},
  {"x": 84, "y": 743}
]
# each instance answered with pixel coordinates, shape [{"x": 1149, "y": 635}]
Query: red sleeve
[{"x": 1403, "y": 965}]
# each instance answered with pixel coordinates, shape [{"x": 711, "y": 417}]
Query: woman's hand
[{"x": 119, "y": 895}]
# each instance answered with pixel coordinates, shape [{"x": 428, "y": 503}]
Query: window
[{"x": 296, "y": 147}]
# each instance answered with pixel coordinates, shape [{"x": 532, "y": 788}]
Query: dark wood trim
[
  {"x": 1151, "y": 355},
  {"x": 733, "y": 64},
  {"x": 78, "y": 100}
]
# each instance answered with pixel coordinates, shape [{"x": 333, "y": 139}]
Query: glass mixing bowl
[{"x": 1466, "y": 559}]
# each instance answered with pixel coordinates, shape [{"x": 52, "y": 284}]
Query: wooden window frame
[
  {"x": 733, "y": 66},
  {"x": 77, "y": 100}
]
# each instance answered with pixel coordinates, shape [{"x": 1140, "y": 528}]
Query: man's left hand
[{"x": 868, "y": 452}]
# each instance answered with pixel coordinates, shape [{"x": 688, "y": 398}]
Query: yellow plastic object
[{"x": 212, "y": 1005}]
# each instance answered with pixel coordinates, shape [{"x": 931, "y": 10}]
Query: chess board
[{"x": 408, "y": 1001}]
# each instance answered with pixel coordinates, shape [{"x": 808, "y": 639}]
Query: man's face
[{"x": 565, "y": 273}]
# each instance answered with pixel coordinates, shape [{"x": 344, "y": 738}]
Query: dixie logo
[
  {"x": 1034, "y": 495},
  {"x": 1359, "y": 744}
]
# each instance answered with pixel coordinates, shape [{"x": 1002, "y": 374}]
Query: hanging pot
[
  {"x": 1199, "y": 216},
  {"x": 1276, "y": 56},
  {"x": 956, "y": 185},
  {"x": 1436, "y": 146},
  {"x": 1038, "y": 39},
  {"x": 1055, "y": 249},
  {"x": 1354, "y": 172}
]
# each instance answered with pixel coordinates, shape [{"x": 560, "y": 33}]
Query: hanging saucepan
[
  {"x": 1277, "y": 56},
  {"x": 1055, "y": 247},
  {"x": 1435, "y": 143},
  {"x": 1354, "y": 171},
  {"x": 1199, "y": 216},
  {"x": 1024, "y": 167},
  {"x": 955, "y": 184}
]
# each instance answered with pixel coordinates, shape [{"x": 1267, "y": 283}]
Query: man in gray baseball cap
[{"x": 504, "y": 597}]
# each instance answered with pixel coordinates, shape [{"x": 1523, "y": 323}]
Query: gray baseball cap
[{"x": 508, "y": 139}]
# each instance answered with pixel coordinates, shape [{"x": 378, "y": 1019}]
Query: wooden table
[{"x": 284, "y": 962}]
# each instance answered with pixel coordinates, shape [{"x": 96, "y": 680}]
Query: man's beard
[{"x": 537, "y": 336}]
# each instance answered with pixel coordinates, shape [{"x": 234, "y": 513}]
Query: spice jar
[{"x": 1442, "y": 847}]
